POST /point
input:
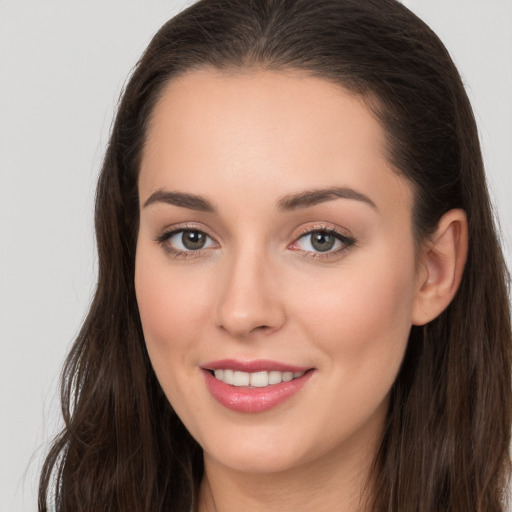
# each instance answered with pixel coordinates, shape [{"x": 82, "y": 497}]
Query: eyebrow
[
  {"x": 190, "y": 201},
  {"x": 312, "y": 197},
  {"x": 289, "y": 202}
]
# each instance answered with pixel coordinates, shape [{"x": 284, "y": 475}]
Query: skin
[{"x": 259, "y": 291}]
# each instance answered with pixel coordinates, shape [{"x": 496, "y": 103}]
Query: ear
[{"x": 441, "y": 267}]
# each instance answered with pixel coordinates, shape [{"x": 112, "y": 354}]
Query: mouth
[
  {"x": 260, "y": 379},
  {"x": 254, "y": 386}
]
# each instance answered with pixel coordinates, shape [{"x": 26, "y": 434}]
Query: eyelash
[
  {"x": 164, "y": 238},
  {"x": 345, "y": 240}
]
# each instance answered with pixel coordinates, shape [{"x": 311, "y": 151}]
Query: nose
[{"x": 250, "y": 298}]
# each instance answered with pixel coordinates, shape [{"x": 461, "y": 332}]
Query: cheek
[
  {"x": 164, "y": 299},
  {"x": 361, "y": 315},
  {"x": 172, "y": 314}
]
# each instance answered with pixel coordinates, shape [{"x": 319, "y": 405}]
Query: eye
[
  {"x": 186, "y": 240},
  {"x": 322, "y": 241}
]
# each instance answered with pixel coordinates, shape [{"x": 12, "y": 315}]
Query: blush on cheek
[
  {"x": 169, "y": 307},
  {"x": 362, "y": 322},
  {"x": 155, "y": 309}
]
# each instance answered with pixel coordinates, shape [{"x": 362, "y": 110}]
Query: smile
[
  {"x": 255, "y": 379},
  {"x": 254, "y": 386}
]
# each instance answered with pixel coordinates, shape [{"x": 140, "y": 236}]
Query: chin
[
  {"x": 260, "y": 449},
  {"x": 250, "y": 460}
]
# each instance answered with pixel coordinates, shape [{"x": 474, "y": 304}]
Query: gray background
[{"x": 62, "y": 66}]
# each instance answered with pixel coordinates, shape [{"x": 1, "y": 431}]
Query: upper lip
[{"x": 257, "y": 365}]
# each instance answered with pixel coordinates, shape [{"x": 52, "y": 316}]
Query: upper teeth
[{"x": 255, "y": 379}]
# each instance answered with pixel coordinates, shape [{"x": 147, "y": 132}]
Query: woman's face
[{"x": 275, "y": 243}]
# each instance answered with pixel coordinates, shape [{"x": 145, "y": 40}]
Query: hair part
[{"x": 445, "y": 447}]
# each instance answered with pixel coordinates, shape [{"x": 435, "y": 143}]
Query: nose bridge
[{"x": 248, "y": 299}]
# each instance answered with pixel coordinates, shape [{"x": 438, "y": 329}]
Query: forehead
[{"x": 266, "y": 133}]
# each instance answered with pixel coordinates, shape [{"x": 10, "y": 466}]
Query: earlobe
[{"x": 442, "y": 260}]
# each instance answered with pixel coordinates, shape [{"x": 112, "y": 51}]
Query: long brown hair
[{"x": 445, "y": 446}]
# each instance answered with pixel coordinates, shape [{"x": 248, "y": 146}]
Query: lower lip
[{"x": 252, "y": 400}]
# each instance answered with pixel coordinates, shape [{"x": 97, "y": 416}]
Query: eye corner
[
  {"x": 334, "y": 242},
  {"x": 174, "y": 242}
]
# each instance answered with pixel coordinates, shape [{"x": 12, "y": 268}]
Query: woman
[{"x": 301, "y": 301}]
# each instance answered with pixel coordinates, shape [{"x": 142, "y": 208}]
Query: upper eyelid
[
  {"x": 176, "y": 228},
  {"x": 171, "y": 230},
  {"x": 347, "y": 242},
  {"x": 344, "y": 239},
  {"x": 323, "y": 227},
  {"x": 164, "y": 241}
]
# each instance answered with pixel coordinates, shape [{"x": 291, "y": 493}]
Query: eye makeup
[
  {"x": 186, "y": 241},
  {"x": 313, "y": 241},
  {"x": 322, "y": 242}
]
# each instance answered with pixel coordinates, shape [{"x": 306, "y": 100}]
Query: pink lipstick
[{"x": 253, "y": 386}]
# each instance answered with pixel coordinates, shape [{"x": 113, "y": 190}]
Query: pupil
[
  {"x": 193, "y": 239},
  {"x": 322, "y": 241}
]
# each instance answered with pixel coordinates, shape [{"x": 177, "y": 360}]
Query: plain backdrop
[{"x": 62, "y": 67}]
